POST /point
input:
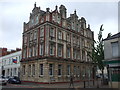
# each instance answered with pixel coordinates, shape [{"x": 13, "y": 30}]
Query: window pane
[
  {"x": 41, "y": 32},
  {"x": 68, "y": 52},
  {"x": 33, "y": 69},
  {"x": 52, "y": 48},
  {"x": 29, "y": 73},
  {"x": 59, "y": 35},
  {"x": 115, "y": 49},
  {"x": 60, "y": 50},
  {"x": 50, "y": 69},
  {"x": 41, "y": 69},
  {"x": 41, "y": 49},
  {"x": 68, "y": 69},
  {"x": 52, "y": 32},
  {"x": 59, "y": 69}
]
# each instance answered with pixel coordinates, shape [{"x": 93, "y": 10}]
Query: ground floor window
[
  {"x": 50, "y": 69},
  {"x": 33, "y": 69},
  {"x": 68, "y": 69},
  {"x": 59, "y": 69},
  {"x": 29, "y": 70},
  {"x": 41, "y": 69}
]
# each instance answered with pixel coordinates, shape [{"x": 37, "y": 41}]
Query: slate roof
[{"x": 113, "y": 36}]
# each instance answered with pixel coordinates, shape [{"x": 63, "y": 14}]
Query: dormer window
[
  {"x": 47, "y": 18},
  {"x": 31, "y": 36},
  {"x": 53, "y": 17},
  {"x": 58, "y": 20},
  {"x": 35, "y": 35},
  {"x": 64, "y": 23},
  {"x": 37, "y": 20},
  {"x": 68, "y": 26},
  {"x": 42, "y": 20},
  {"x": 77, "y": 27},
  {"x": 32, "y": 21},
  {"x": 73, "y": 26}
]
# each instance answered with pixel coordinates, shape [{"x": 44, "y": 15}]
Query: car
[
  {"x": 3, "y": 80},
  {"x": 98, "y": 76},
  {"x": 105, "y": 76},
  {"x": 14, "y": 80}
]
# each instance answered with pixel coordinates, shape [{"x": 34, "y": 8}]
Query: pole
[{"x": 84, "y": 81}]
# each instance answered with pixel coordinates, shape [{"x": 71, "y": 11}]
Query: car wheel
[{"x": 4, "y": 83}]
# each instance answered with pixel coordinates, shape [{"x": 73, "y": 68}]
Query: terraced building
[{"x": 56, "y": 46}]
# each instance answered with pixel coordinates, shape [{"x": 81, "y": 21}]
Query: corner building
[{"x": 56, "y": 46}]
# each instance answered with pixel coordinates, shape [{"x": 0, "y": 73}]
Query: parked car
[
  {"x": 3, "y": 80},
  {"x": 7, "y": 78},
  {"x": 14, "y": 80},
  {"x": 98, "y": 76}
]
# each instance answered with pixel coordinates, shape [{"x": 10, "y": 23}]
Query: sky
[{"x": 14, "y": 12}]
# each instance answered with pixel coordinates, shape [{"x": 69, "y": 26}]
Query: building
[
  {"x": 10, "y": 64},
  {"x": 112, "y": 59},
  {"x": 4, "y": 51},
  {"x": 54, "y": 47}
]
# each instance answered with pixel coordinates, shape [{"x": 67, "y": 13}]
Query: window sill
[
  {"x": 68, "y": 75},
  {"x": 41, "y": 75},
  {"x": 59, "y": 75},
  {"x": 51, "y": 75}
]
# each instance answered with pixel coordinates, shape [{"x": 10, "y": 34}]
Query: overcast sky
[{"x": 14, "y": 12}]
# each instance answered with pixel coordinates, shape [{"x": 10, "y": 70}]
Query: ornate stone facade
[{"x": 54, "y": 47}]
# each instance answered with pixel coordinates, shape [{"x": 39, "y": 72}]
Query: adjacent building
[
  {"x": 5, "y": 51},
  {"x": 56, "y": 46},
  {"x": 10, "y": 64},
  {"x": 112, "y": 59}
]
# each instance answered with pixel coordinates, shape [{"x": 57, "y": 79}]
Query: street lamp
[{"x": 84, "y": 80}]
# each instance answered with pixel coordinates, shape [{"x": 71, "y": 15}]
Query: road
[{"x": 58, "y": 85}]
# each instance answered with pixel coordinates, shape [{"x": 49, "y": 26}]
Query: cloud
[{"x": 15, "y": 12}]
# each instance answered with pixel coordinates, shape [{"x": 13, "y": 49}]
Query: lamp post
[{"x": 84, "y": 80}]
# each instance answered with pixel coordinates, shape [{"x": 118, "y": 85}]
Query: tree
[{"x": 98, "y": 52}]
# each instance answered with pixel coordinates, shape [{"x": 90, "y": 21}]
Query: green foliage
[{"x": 98, "y": 51}]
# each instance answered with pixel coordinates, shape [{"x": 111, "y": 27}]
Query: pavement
[{"x": 97, "y": 84}]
